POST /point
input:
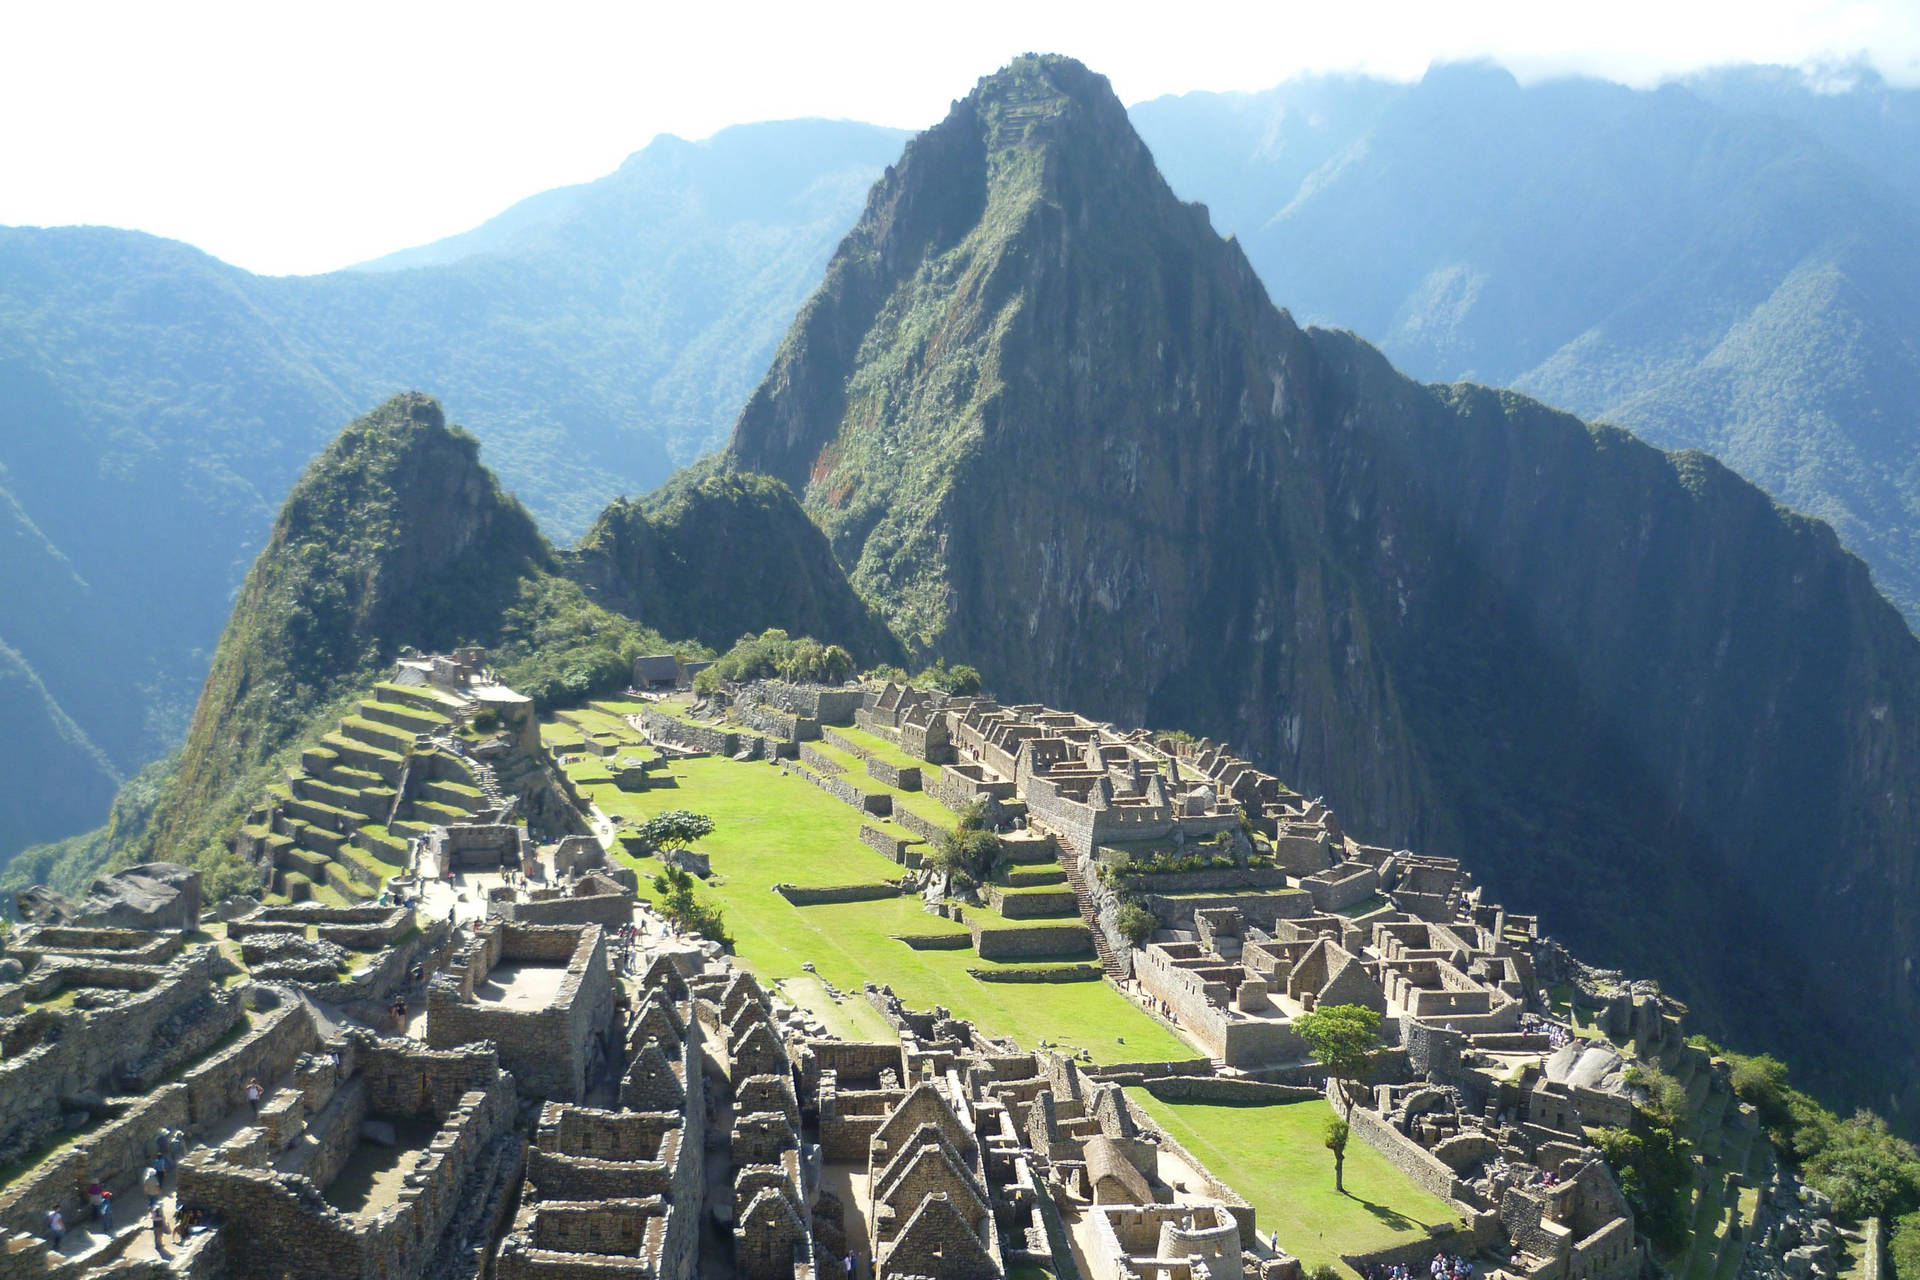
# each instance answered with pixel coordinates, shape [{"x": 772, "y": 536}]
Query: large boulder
[
  {"x": 152, "y": 895},
  {"x": 37, "y": 904}
]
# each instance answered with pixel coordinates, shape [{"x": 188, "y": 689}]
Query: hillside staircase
[
  {"x": 337, "y": 826},
  {"x": 1071, "y": 863}
]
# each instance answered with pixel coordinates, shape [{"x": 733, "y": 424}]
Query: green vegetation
[
  {"x": 772, "y": 828},
  {"x": 673, "y": 895},
  {"x": 969, "y": 851},
  {"x": 1136, "y": 923},
  {"x": 560, "y": 649},
  {"x": 1341, "y": 1036},
  {"x": 1903, "y": 1246},
  {"x": 1863, "y": 1167},
  {"x": 674, "y": 829},
  {"x": 960, "y": 680},
  {"x": 1338, "y": 1132},
  {"x": 773, "y": 653},
  {"x": 1284, "y": 1177}
]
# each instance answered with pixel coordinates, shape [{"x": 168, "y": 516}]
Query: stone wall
[
  {"x": 878, "y": 803},
  {"x": 905, "y": 852},
  {"x": 1421, "y": 1166},
  {"x": 817, "y": 895},
  {"x": 550, "y": 1051},
  {"x": 775, "y": 722},
  {"x": 959, "y": 785},
  {"x": 1229, "y": 1090},
  {"x": 923, "y": 827},
  {"x": 125, "y": 1047},
  {"x": 1032, "y": 940},
  {"x": 827, "y": 704},
  {"x": 610, "y": 910},
  {"x": 696, "y": 737},
  {"x": 286, "y": 1228}
]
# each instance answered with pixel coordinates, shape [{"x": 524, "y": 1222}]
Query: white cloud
[{"x": 302, "y": 137}]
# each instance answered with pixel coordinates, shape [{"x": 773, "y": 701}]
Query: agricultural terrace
[
  {"x": 1287, "y": 1176},
  {"x": 772, "y": 828}
]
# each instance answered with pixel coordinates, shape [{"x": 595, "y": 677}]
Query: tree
[
  {"x": 1136, "y": 923},
  {"x": 960, "y": 680},
  {"x": 677, "y": 903},
  {"x": 1867, "y": 1170},
  {"x": 674, "y": 829},
  {"x": 1341, "y": 1037},
  {"x": 1338, "y": 1131}
]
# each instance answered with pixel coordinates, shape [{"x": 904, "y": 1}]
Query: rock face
[
  {"x": 153, "y": 895},
  {"x": 1055, "y": 428}
]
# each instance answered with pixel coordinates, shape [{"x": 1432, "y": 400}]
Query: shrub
[{"x": 1136, "y": 923}]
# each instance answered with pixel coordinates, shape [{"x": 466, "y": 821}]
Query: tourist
[
  {"x": 182, "y": 1225},
  {"x": 95, "y": 1195},
  {"x": 176, "y": 1147},
  {"x": 159, "y": 1228},
  {"x": 56, "y": 1226},
  {"x": 106, "y": 1210},
  {"x": 150, "y": 1183},
  {"x": 254, "y": 1094}
]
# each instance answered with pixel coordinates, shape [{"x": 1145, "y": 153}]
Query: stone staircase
[{"x": 1076, "y": 876}]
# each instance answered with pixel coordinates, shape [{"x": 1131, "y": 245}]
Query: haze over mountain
[
  {"x": 1053, "y": 424},
  {"x": 1726, "y": 264},
  {"x": 156, "y": 405}
]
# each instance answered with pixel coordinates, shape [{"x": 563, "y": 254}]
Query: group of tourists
[
  {"x": 1557, "y": 1036},
  {"x": 165, "y": 1152},
  {"x": 1445, "y": 1266}
]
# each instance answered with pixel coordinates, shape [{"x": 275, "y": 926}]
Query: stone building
[{"x": 541, "y": 993}]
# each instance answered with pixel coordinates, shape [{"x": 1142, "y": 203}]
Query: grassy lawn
[
  {"x": 771, "y": 828},
  {"x": 887, "y": 751},
  {"x": 918, "y": 802},
  {"x": 601, "y": 722},
  {"x": 850, "y": 1018},
  {"x": 1273, "y": 1155}
]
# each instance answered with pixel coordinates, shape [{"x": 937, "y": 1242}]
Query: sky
[{"x": 294, "y": 137}]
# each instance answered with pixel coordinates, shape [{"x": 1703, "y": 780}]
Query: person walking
[
  {"x": 150, "y": 1184},
  {"x": 254, "y": 1092},
  {"x": 159, "y": 1228},
  {"x": 56, "y": 1226}
]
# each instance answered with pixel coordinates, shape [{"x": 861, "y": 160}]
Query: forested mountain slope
[
  {"x": 1053, "y": 425},
  {"x": 156, "y": 405},
  {"x": 1725, "y": 264}
]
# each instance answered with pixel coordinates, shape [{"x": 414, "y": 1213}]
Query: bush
[
  {"x": 1903, "y": 1246},
  {"x": 1655, "y": 1170},
  {"x": 960, "y": 681},
  {"x": 1866, "y": 1169},
  {"x": 1136, "y": 923},
  {"x": 773, "y": 653},
  {"x": 677, "y": 903}
]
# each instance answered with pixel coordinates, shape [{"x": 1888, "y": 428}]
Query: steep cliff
[
  {"x": 718, "y": 557},
  {"x": 395, "y": 534},
  {"x": 1052, "y": 424}
]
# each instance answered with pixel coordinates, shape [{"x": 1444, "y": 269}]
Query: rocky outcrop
[{"x": 1054, "y": 427}]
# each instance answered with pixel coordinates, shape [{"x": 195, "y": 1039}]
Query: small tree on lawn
[
  {"x": 1338, "y": 1131},
  {"x": 674, "y": 829},
  {"x": 677, "y": 903},
  {"x": 1341, "y": 1037}
]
